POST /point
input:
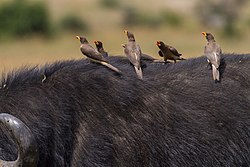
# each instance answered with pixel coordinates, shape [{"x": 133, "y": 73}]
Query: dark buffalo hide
[{"x": 84, "y": 114}]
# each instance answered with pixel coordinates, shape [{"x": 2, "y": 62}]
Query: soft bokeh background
[{"x": 41, "y": 31}]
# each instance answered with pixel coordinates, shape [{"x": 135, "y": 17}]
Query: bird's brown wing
[
  {"x": 160, "y": 53},
  {"x": 218, "y": 53},
  {"x": 173, "y": 50},
  {"x": 92, "y": 53},
  {"x": 133, "y": 53},
  {"x": 213, "y": 53},
  {"x": 218, "y": 49},
  {"x": 103, "y": 52}
]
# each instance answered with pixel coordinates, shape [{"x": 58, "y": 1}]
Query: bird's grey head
[
  {"x": 208, "y": 36},
  {"x": 82, "y": 39},
  {"x": 130, "y": 35}
]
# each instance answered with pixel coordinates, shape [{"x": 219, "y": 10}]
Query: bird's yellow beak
[
  {"x": 204, "y": 33},
  {"x": 126, "y": 32},
  {"x": 158, "y": 43},
  {"x": 77, "y": 37}
]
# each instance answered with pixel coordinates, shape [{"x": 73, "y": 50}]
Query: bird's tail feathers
[
  {"x": 111, "y": 67},
  {"x": 216, "y": 73},
  {"x": 138, "y": 72}
]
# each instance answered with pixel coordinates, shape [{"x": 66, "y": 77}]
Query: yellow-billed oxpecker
[
  {"x": 100, "y": 48},
  {"x": 168, "y": 52},
  {"x": 93, "y": 54},
  {"x": 213, "y": 53},
  {"x": 133, "y": 52}
]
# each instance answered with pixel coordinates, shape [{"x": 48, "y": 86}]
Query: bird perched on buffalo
[
  {"x": 133, "y": 52},
  {"x": 93, "y": 54},
  {"x": 168, "y": 52},
  {"x": 213, "y": 53},
  {"x": 100, "y": 49}
]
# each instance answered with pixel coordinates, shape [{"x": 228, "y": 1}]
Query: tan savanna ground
[{"x": 106, "y": 26}]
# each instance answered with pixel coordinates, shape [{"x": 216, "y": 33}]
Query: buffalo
[{"x": 84, "y": 114}]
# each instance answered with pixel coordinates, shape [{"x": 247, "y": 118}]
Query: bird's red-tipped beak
[
  {"x": 158, "y": 43},
  {"x": 204, "y": 33},
  {"x": 77, "y": 37}
]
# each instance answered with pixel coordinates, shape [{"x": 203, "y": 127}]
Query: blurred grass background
[{"x": 41, "y": 31}]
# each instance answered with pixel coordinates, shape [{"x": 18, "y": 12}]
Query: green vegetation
[
  {"x": 110, "y": 3},
  {"x": 221, "y": 15},
  {"x": 171, "y": 18},
  {"x": 73, "y": 23},
  {"x": 134, "y": 17},
  {"x": 19, "y": 18}
]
